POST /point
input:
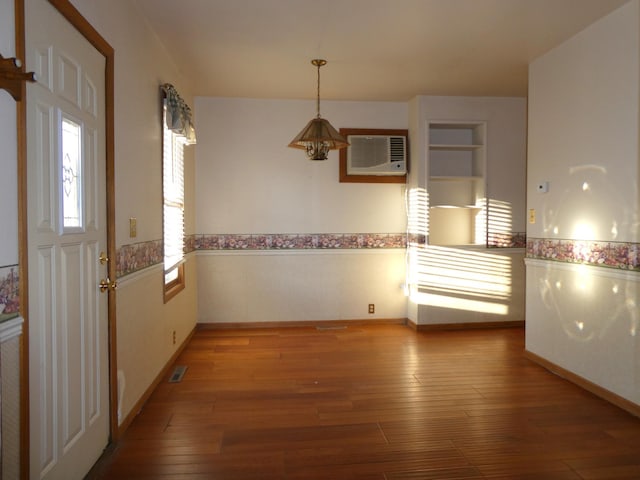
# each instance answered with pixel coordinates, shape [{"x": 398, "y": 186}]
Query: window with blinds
[{"x": 173, "y": 210}]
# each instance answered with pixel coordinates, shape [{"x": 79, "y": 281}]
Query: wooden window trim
[{"x": 174, "y": 287}]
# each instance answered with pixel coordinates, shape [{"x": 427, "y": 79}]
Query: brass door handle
[
  {"x": 106, "y": 284},
  {"x": 103, "y": 258}
]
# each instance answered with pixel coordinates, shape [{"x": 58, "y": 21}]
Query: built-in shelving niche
[{"x": 456, "y": 183}]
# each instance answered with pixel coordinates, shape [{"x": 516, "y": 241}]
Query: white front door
[{"x": 67, "y": 231}]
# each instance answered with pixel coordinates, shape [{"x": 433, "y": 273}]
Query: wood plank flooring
[{"x": 372, "y": 402}]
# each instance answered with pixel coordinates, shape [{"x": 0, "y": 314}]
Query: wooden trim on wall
[
  {"x": 173, "y": 288},
  {"x": 147, "y": 393},
  {"x": 346, "y": 178},
  {"x": 465, "y": 326},
  {"x": 107, "y": 455},
  {"x": 301, "y": 323},
  {"x": 75, "y": 18},
  {"x": 23, "y": 250},
  {"x": 360, "y": 322},
  {"x": 597, "y": 390}
]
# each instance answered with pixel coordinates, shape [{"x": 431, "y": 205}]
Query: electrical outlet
[
  {"x": 532, "y": 215},
  {"x": 174, "y": 337},
  {"x": 372, "y": 308},
  {"x": 133, "y": 227}
]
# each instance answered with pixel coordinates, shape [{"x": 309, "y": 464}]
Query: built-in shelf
[{"x": 456, "y": 183}]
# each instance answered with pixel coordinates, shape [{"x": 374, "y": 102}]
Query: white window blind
[{"x": 173, "y": 191}]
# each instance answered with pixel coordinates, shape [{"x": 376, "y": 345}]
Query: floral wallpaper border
[
  {"x": 620, "y": 255},
  {"x": 495, "y": 240},
  {"x": 138, "y": 256},
  {"x": 9, "y": 292},
  {"x": 279, "y": 241},
  {"x": 506, "y": 240}
]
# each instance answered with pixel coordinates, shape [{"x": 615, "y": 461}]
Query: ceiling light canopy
[{"x": 318, "y": 136}]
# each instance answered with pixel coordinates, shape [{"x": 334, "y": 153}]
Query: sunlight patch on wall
[
  {"x": 455, "y": 277},
  {"x": 460, "y": 279},
  {"x": 417, "y": 213},
  {"x": 446, "y": 301},
  {"x": 465, "y": 272},
  {"x": 499, "y": 223},
  {"x": 589, "y": 303},
  {"x": 481, "y": 222}
]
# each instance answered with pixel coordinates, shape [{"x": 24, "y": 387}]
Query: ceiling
[{"x": 388, "y": 50}]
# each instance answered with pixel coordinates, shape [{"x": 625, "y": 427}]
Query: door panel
[{"x": 66, "y": 190}]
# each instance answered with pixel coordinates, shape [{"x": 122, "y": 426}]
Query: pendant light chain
[{"x": 318, "y": 95}]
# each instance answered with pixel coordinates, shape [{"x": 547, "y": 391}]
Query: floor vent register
[{"x": 177, "y": 374}]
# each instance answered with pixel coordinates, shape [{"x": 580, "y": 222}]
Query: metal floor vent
[
  {"x": 177, "y": 374},
  {"x": 330, "y": 327}
]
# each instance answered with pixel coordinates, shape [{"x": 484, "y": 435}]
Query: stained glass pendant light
[{"x": 318, "y": 136}]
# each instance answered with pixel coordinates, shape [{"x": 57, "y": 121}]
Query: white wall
[
  {"x": 8, "y": 154},
  {"x": 583, "y": 140},
  {"x": 9, "y": 345},
  {"x": 145, "y": 324},
  {"x": 417, "y": 177},
  {"x": 301, "y": 286},
  {"x": 583, "y": 127},
  {"x": 141, "y": 66},
  {"x": 505, "y": 118},
  {"x": 249, "y": 182},
  {"x": 506, "y": 145}
]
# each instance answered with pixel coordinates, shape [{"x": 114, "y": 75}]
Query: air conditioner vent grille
[{"x": 396, "y": 149}]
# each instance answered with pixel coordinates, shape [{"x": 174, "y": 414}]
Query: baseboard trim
[
  {"x": 597, "y": 390},
  {"x": 464, "y": 326},
  {"x": 301, "y": 323},
  {"x": 107, "y": 454},
  {"x": 147, "y": 393}
]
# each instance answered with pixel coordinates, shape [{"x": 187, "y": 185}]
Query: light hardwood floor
[{"x": 372, "y": 402}]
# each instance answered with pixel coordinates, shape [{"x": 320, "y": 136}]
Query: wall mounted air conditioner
[{"x": 377, "y": 155}]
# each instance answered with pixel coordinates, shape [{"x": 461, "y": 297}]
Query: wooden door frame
[{"x": 74, "y": 17}]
